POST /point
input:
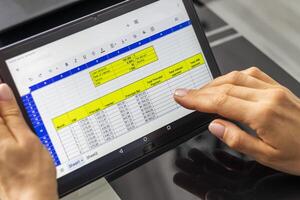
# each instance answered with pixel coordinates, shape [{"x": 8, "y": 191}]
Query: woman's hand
[
  {"x": 26, "y": 169},
  {"x": 255, "y": 99}
]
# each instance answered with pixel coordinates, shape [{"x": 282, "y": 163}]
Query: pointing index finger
[
  {"x": 222, "y": 104},
  {"x": 239, "y": 79}
]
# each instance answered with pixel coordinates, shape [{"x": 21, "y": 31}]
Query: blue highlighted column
[{"x": 39, "y": 126}]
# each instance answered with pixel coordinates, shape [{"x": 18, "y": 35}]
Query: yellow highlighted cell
[
  {"x": 127, "y": 91},
  {"x": 94, "y": 107},
  {"x": 195, "y": 61},
  {"x": 112, "y": 98},
  {"x": 133, "y": 89},
  {"x": 154, "y": 80},
  {"x": 78, "y": 114},
  {"x": 62, "y": 121},
  {"x": 123, "y": 66}
]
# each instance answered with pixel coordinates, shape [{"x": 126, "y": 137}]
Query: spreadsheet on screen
[{"x": 97, "y": 90}]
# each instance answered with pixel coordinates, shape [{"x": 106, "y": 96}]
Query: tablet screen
[{"x": 100, "y": 89}]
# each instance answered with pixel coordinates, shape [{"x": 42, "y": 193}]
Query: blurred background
[{"x": 271, "y": 25}]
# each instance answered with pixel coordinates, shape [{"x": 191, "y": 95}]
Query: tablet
[{"x": 98, "y": 91}]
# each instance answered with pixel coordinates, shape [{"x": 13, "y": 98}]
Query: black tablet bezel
[{"x": 142, "y": 150}]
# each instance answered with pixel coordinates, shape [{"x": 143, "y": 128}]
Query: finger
[
  {"x": 245, "y": 93},
  {"x": 10, "y": 112},
  {"x": 241, "y": 141},
  {"x": 222, "y": 104},
  {"x": 4, "y": 131},
  {"x": 258, "y": 74},
  {"x": 240, "y": 79}
]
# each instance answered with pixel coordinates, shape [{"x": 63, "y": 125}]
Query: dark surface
[
  {"x": 205, "y": 172},
  {"x": 17, "y": 24},
  {"x": 18, "y": 11}
]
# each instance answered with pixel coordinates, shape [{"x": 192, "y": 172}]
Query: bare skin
[
  {"x": 255, "y": 99},
  {"x": 26, "y": 169},
  {"x": 251, "y": 97}
]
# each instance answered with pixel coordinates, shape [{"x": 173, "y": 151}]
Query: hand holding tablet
[{"x": 27, "y": 170}]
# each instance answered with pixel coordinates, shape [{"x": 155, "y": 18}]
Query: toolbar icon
[
  {"x": 113, "y": 45},
  {"x": 103, "y": 50},
  {"x": 124, "y": 41}
]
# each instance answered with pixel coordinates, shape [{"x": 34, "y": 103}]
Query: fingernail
[
  {"x": 217, "y": 129},
  {"x": 181, "y": 92},
  {"x": 5, "y": 93}
]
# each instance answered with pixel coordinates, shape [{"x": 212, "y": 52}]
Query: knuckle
[
  {"x": 234, "y": 76},
  {"x": 227, "y": 88},
  {"x": 12, "y": 112},
  {"x": 220, "y": 100},
  {"x": 278, "y": 95},
  {"x": 234, "y": 142},
  {"x": 194, "y": 93},
  {"x": 253, "y": 71}
]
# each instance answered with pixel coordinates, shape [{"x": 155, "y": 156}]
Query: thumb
[
  {"x": 239, "y": 140},
  {"x": 10, "y": 112}
]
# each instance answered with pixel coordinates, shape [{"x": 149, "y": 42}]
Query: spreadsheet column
[
  {"x": 181, "y": 81},
  {"x": 137, "y": 115},
  {"x": 146, "y": 106},
  {"x": 162, "y": 99},
  {"x": 79, "y": 137},
  {"x": 200, "y": 76},
  {"x": 116, "y": 121},
  {"x": 69, "y": 143},
  {"x": 107, "y": 130},
  {"x": 126, "y": 115},
  {"x": 97, "y": 130},
  {"x": 89, "y": 133}
]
